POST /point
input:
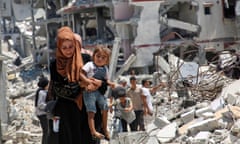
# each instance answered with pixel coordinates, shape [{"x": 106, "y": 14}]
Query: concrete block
[
  {"x": 152, "y": 140},
  {"x": 9, "y": 142},
  {"x": 231, "y": 99},
  {"x": 230, "y": 139},
  {"x": 202, "y": 105},
  {"x": 132, "y": 137},
  {"x": 207, "y": 115},
  {"x": 167, "y": 133},
  {"x": 202, "y": 137},
  {"x": 229, "y": 93},
  {"x": 160, "y": 122},
  {"x": 217, "y": 104},
  {"x": 235, "y": 130},
  {"x": 152, "y": 129},
  {"x": 199, "y": 112},
  {"x": 222, "y": 123},
  {"x": 220, "y": 131},
  {"x": 188, "y": 116},
  {"x": 205, "y": 125},
  {"x": 114, "y": 141}
]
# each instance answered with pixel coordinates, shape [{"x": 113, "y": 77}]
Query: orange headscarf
[
  {"x": 68, "y": 67},
  {"x": 79, "y": 39}
]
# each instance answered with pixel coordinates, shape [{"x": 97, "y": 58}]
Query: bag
[
  {"x": 68, "y": 91},
  {"x": 49, "y": 108},
  {"x": 129, "y": 117}
]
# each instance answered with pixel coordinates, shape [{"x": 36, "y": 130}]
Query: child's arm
[
  {"x": 88, "y": 83},
  {"x": 130, "y": 108},
  {"x": 84, "y": 80},
  {"x": 111, "y": 84}
]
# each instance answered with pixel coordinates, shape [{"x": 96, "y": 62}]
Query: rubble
[
  {"x": 196, "y": 112},
  {"x": 204, "y": 122}
]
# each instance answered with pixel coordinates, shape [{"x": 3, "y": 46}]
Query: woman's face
[
  {"x": 67, "y": 48},
  {"x": 100, "y": 58}
]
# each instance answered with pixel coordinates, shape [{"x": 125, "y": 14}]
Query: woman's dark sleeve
[{"x": 50, "y": 94}]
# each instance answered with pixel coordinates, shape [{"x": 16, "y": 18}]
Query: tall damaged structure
[{"x": 210, "y": 25}]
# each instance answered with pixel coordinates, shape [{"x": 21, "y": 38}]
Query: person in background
[
  {"x": 67, "y": 82},
  {"x": 147, "y": 94},
  {"x": 148, "y": 91},
  {"x": 98, "y": 70},
  {"x": 123, "y": 107},
  {"x": 40, "y": 103},
  {"x": 132, "y": 72},
  {"x": 123, "y": 82},
  {"x": 139, "y": 105}
]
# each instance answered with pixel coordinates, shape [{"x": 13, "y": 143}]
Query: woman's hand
[
  {"x": 85, "y": 83},
  {"x": 96, "y": 82},
  {"x": 93, "y": 85}
]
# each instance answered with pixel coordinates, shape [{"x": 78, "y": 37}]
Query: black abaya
[{"x": 73, "y": 127}]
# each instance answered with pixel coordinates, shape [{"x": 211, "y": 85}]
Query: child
[
  {"x": 123, "y": 107},
  {"x": 40, "y": 104},
  {"x": 98, "y": 69}
]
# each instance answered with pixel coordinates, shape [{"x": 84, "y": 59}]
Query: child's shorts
[{"x": 90, "y": 99}]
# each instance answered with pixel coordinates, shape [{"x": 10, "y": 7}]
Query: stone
[
  {"x": 160, "y": 122},
  {"x": 167, "y": 133},
  {"x": 188, "y": 116}
]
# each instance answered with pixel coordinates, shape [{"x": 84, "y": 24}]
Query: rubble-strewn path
[{"x": 197, "y": 117}]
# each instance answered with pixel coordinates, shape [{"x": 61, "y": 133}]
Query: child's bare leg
[
  {"x": 104, "y": 119},
  {"x": 92, "y": 126}
]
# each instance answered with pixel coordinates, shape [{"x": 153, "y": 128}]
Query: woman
[{"x": 66, "y": 78}]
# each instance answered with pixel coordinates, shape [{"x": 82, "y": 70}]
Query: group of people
[
  {"x": 78, "y": 82},
  {"x": 136, "y": 98}
]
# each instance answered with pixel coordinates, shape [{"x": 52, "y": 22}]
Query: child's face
[
  {"x": 100, "y": 59},
  {"x": 67, "y": 48}
]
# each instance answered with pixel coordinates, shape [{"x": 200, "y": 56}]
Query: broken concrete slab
[
  {"x": 132, "y": 137},
  {"x": 204, "y": 125},
  {"x": 162, "y": 121},
  {"x": 217, "y": 104},
  {"x": 199, "y": 112},
  {"x": 152, "y": 140},
  {"x": 167, "y": 133},
  {"x": 202, "y": 137},
  {"x": 230, "y": 93},
  {"x": 188, "y": 116}
]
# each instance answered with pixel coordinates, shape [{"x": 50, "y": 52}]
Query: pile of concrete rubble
[
  {"x": 23, "y": 126},
  {"x": 192, "y": 120},
  {"x": 196, "y": 113}
]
